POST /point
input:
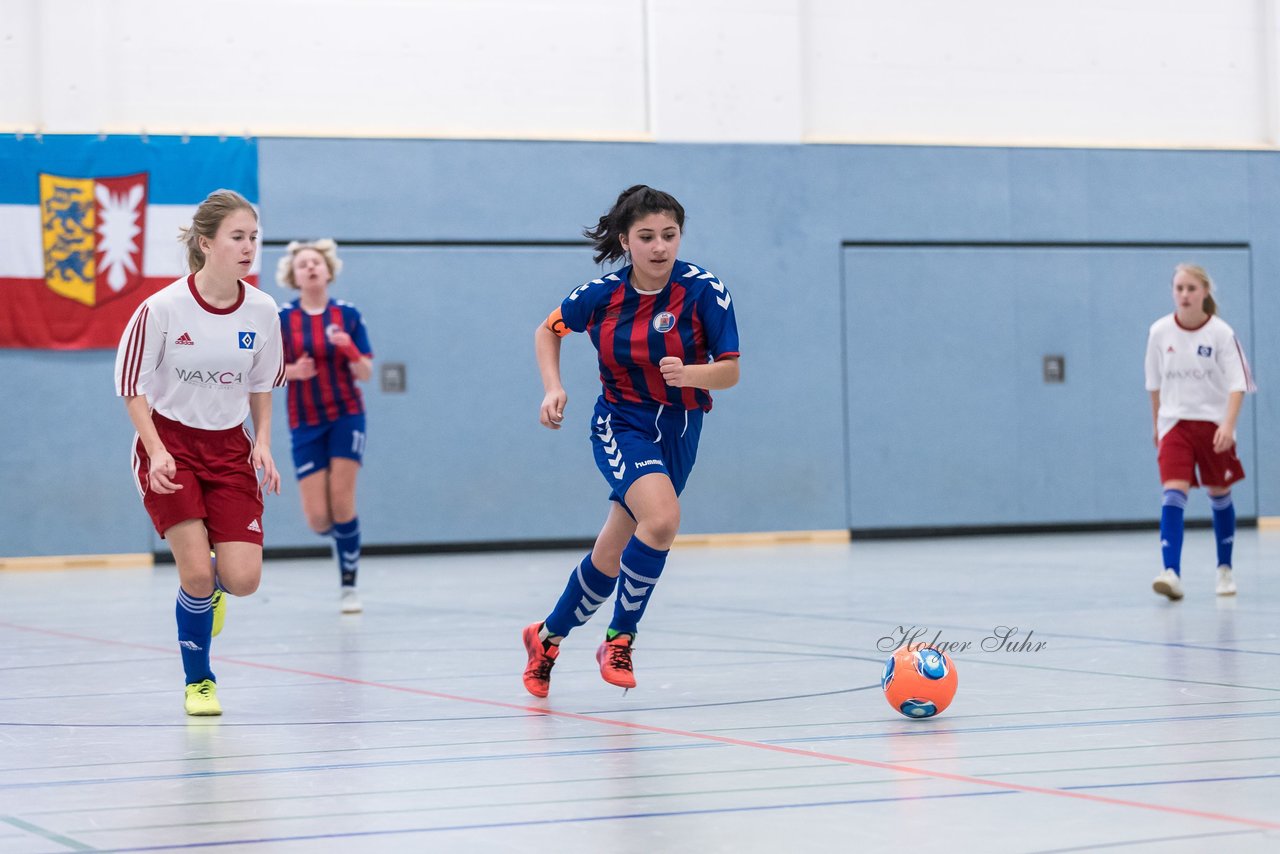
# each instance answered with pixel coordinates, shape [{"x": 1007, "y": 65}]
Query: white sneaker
[
  {"x": 1226, "y": 581},
  {"x": 351, "y": 601},
  {"x": 1168, "y": 584}
]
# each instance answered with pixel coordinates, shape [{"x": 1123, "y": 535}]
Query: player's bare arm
[
  {"x": 260, "y": 412},
  {"x": 1155, "y": 418},
  {"x": 712, "y": 376},
  {"x": 546, "y": 347},
  {"x": 163, "y": 467},
  {"x": 303, "y": 369},
  {"x": 360, "y": 365},
  {"x": 1225, "y": 436}
]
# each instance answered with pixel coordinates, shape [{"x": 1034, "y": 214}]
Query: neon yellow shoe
[
  {"x": 219, "y": 598},
  {"x": 219, "y": 611},
  {"x": 202, "y": 698}
]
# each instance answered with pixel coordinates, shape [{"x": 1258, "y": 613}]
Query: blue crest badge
[
  {"x": 663, "y": 321},
  {"x": 246, "y": 340},
  {"x": 1202, "y": 350}
]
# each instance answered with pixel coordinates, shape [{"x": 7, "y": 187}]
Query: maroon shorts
[
  {"x": 218, "y": 482},
  {"x": 1190, "y": 445}
]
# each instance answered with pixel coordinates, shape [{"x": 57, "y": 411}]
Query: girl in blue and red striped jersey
[
  {"x": 327, "y": 350},
  {"x": 666, "y": 335}
]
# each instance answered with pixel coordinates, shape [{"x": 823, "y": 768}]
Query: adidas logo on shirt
[
  {"x": 184, "y": 338},
  {"x": 255, "y": 527}
]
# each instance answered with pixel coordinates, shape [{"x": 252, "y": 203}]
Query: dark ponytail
[{"x": 633, "y": 204}]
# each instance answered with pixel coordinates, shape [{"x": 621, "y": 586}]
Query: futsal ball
[{"x": 919, "y": 681}]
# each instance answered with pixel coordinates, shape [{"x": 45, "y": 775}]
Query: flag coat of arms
[{"x": 89, "y": 228}]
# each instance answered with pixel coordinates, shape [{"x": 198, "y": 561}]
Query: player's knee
[
  {"x": 607, "y": 561},
  {"x": 245, "y": 586},
  {"x": 662, "y": 525},
  {"x": 200, "y": 588},
  {"x": 319, "y": 522}
]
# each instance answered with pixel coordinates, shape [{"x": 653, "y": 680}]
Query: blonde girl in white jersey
[
  {"x": 198, "y": 357},
  {"x": 1197, "y": 376}
]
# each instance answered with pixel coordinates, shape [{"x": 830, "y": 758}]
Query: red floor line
[{"x": 699, "y": 736}]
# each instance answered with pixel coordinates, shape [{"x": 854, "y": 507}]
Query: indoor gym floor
[{"x": 758, "y": 724}]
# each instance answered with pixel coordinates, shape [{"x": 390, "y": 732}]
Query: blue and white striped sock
[
  {"x": 346, "y": 544},
  {"x": 1224, "y": 526},
  {"x": 1173, "y": 509},
  {"x": 584, "y": 593},
  {"x": 641, "y": 567},
  {"x": 195, "y": 630}
]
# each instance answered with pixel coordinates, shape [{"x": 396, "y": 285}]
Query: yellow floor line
[{"x": 56, "y": 562}]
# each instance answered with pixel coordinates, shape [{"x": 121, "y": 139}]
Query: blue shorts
[
  {"x": 313, "y": 447},
  {"x": 630, "y": 440}
]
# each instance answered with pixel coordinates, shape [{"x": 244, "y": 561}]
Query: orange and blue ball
[{"x": 920, "y": 681}]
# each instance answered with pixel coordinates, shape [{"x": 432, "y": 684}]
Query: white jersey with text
[
  {"x": 197, "y": 364},
  {"x": 1195, "y": 370}
]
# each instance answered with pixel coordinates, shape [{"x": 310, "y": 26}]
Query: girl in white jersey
[
  {"x": 197, "y": 358},
  {"x": 1197, "y": 375}
]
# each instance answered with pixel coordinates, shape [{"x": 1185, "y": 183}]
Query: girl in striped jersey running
[
  {"x": 1197, "y": 376},
  {"x": 666, "y": 335},
  {"x": 199, "y": 357},
  {"x": 327, "y": 350}
]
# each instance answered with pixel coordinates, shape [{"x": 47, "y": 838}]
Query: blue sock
[
  {"x": 583, "y": 595},
  {"x": 641, "y": 567},
  {"x": 217, "y": 579},
  {"x": 1224, "y": 526},
  {"x": 195, "y": 630},
  {"x": 346, "y": 542},
  {"x": 1172, "y": 511}
]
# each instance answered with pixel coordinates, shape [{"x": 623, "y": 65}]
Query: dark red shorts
[
  {"x": 1190, "y": 445},
  {"x": 218, "y": 482}
]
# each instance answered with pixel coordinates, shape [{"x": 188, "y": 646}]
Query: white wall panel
[
  {"x": 19, "y": 77},
  {"x": 1175, "y": 72},
  {"x": 467, "y": 68},
  {"x": 726, "y": 70}
]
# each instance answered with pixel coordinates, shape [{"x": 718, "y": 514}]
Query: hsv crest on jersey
[
  {"x": 1202, "y": 350},
  {"x": 246, "y": 340},
  {"x": 93, "y": 235},
  {"x": 691, "y": 318}
]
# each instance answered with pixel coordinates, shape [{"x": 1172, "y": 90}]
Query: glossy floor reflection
[{"x": 758, "y": 723}]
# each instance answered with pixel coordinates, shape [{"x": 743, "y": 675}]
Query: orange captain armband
[{"x": 555, "y": 324}]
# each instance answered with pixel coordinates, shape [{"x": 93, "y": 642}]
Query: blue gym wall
[{"x": 894, "y": 304}]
